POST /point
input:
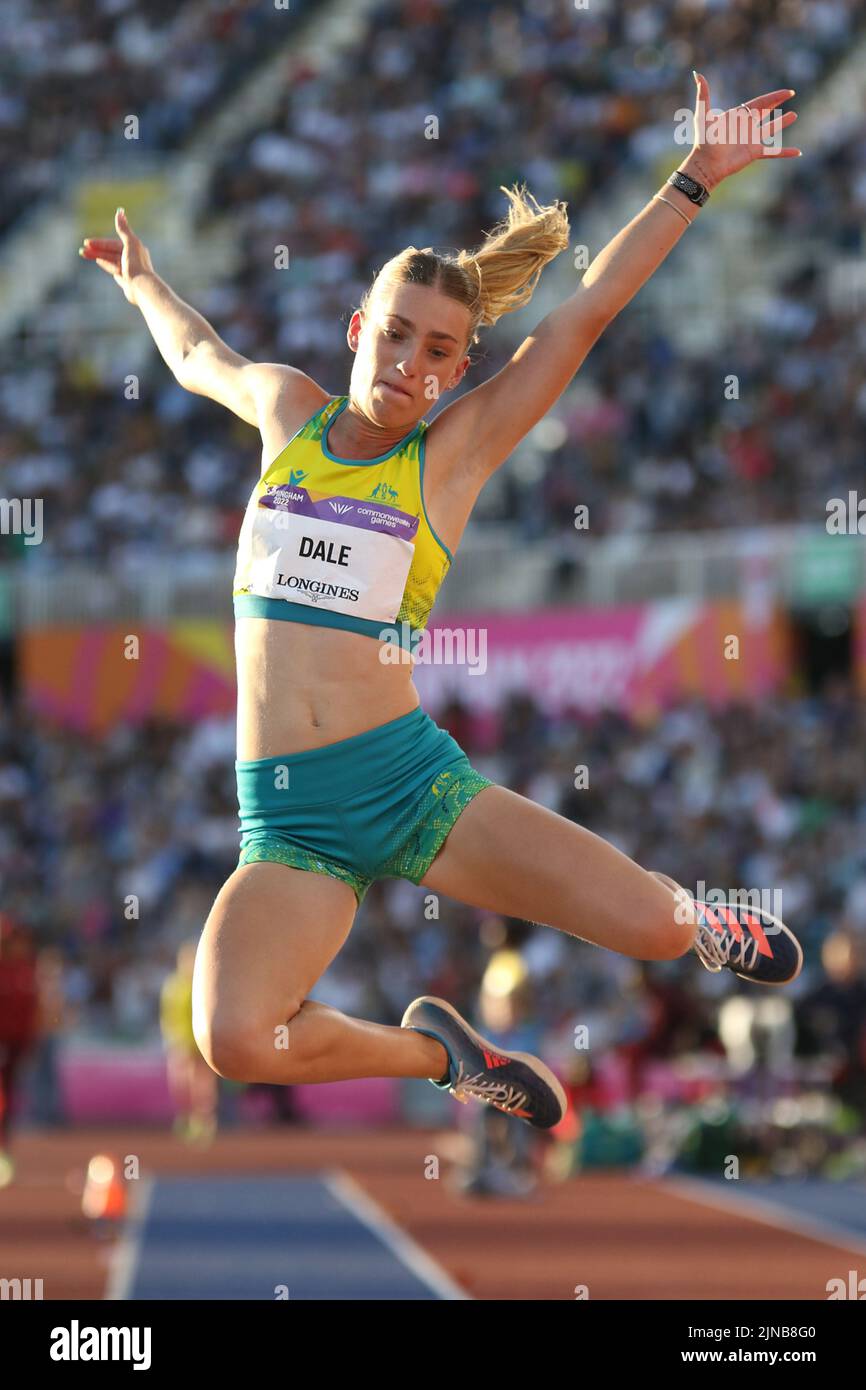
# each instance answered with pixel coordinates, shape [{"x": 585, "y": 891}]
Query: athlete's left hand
[{"x": 727, "y": 141}]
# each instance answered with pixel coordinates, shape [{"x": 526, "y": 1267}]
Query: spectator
[
  {"x": 194, "y": 1086},
  {"x": 19, "y": 1025}
]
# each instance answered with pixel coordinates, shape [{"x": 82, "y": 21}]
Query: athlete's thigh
[
  {"x": 511, "y": 856},
  {"x": 271, "y": 933}
]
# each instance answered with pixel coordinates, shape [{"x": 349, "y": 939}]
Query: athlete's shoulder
[
  {"x": 278, "y": 387},
  {"x": 288, "y": 400}
]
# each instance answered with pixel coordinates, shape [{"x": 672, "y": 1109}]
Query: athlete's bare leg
[
  {"x": 513, "y": 857},
  {"x": 271, "y": 933}
]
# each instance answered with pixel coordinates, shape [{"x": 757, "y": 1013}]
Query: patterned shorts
[{"x": 377, "y": 805}]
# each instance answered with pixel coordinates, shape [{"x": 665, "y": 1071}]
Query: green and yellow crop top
[{"x": 341, "y": 543}]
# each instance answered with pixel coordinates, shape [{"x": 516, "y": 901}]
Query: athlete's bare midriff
[{"x": 303, "y": 686}]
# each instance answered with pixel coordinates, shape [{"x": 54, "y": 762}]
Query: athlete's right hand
[{"x": 124, "y": 259}]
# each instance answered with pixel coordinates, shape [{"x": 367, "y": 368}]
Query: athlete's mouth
[{"x": 398, "y": 389}]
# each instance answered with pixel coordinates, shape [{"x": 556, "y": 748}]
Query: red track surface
[{"x": 622, "y": 1237}]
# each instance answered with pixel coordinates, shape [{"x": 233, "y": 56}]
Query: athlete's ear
[
  {"x": 356, "y": 323},
  {"x": 459, "y": 372}
]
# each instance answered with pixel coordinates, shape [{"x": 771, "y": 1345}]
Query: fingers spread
[
  {"x": 771, "y": 129},
  {"x": 93, "y": 253},
  {"x": 770, "y": 99}
]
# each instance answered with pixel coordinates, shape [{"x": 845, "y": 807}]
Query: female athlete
[{"x": 349, "y": 532}]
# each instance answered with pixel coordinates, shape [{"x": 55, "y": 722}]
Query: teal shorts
[{"x": 377, "y": 805}]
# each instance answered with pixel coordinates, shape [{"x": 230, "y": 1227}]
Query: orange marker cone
[{"x": 104, "y": 1196}]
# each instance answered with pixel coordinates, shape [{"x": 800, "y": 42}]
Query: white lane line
[
  {"x": 125, "y": 1257},
  {"x": 764, "y": 1210},
  {"x": 361, "y": 1204}
]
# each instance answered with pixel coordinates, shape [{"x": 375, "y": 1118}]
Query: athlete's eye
[{"x": 398, "y": 337}]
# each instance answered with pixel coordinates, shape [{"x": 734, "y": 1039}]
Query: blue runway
[
  {"x": 834, "y": 1212},
  {"x": 316, "y": 1236},
  {"x": 840, "y": 1204}
]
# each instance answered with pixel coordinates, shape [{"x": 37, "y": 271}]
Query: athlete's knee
[
  {"x": 672, "y": 921},
  {"x": 245, "y": 1049},
  {"x": 229, "y": 1051}
]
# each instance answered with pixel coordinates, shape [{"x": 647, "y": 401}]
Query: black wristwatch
[{"x": 693, "y": 190}]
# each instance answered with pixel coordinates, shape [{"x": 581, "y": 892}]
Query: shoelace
[
  {"x": 498, "y": 1093},
  {"x": 715, "y": 951}
]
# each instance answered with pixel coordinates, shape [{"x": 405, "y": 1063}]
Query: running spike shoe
[
  {"x": 751, "y": 942},
  {"x": 514, "y": 1082}
]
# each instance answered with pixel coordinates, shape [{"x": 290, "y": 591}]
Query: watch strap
[{"x": 694, "y": 191}]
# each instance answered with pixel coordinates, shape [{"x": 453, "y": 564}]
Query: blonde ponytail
[
  {"x": 496, "y": 278},
  {"x": 513, "y": 254}
]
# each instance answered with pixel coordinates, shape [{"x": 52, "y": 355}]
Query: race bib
[{"x": 339, "y": 553}]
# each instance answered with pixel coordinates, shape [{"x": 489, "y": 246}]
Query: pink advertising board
[{"x": 636, "y": 659}]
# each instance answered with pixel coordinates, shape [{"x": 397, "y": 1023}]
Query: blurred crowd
[
  {"x": 111, "y": 855},
  {"x": 344, "y": 176},
  {"x": 74, "y": 73}
]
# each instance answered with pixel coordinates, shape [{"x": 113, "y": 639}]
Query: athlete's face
[{"x": 412, "y": 338}]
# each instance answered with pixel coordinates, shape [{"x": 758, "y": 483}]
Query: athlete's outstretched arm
[
  {"x": 499, "y": 413},
  {"x": 190, "y": 347}
]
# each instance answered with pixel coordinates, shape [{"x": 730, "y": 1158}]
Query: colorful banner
[
  {"x": 637, "y": 659},
  {"x": 92, "y": 678}
]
